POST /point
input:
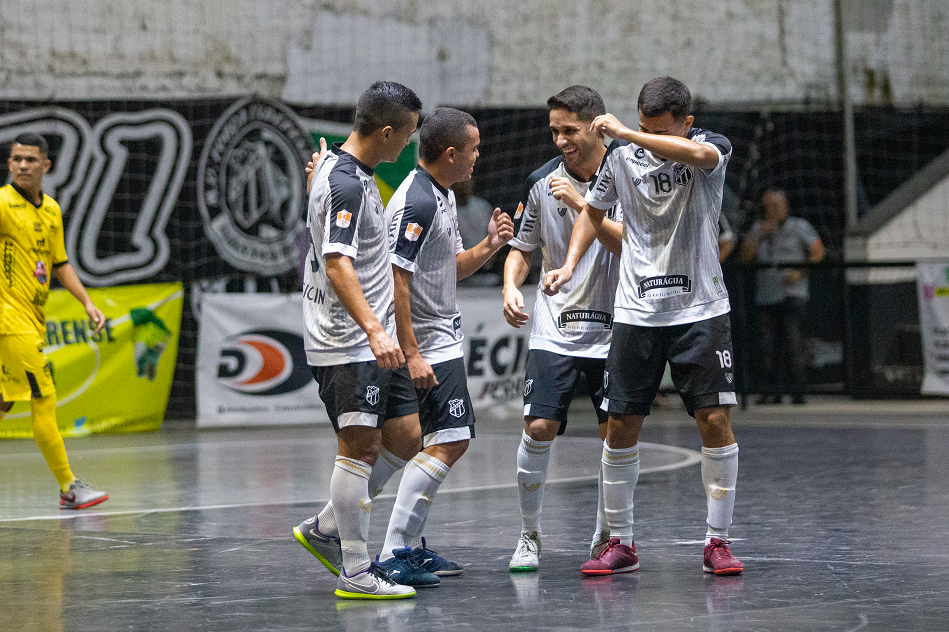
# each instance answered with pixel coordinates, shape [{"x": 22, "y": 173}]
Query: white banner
[
  {"x": 932, "y": 281},
  {"x": 251, "y": 369}
]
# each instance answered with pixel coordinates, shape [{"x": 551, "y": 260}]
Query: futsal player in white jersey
[
  {"x": 671, "y": 305},
  {"x": 571, "y": 330},
  {"x": 428, "y": 259},
  {"x": 349, "y": 338}
]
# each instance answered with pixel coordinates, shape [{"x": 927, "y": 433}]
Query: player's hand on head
[
  {"x": 423, "y": 376},
  {"x": 386, "y": 350},
  {"x": 608, "y": 125},
  {"x": 563, "y": 190},
  {"x": 500, "y": 229},
  {"x": 513, "y": 308},
  {"x": 556, "y": 279},
  {"x": 314, "y": 160}
]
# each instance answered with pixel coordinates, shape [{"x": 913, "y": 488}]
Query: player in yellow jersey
[{"x": 31, "y": 247}]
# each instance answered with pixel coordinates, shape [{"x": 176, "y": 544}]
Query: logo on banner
[
  {"x": 413, "y": 232},
  {"x": 251, "y": 188},
  {"x": 264, "y": 362},
  {"x": 456, "y": 408},
  {"x": 372, "y": 395}
]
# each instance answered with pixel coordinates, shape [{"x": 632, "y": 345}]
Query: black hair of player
[
  {"x": 385, "y": 104},
  {"x": 443, "y": 128},
  {"x": 665, "y": 94},
  {"x": 31, "y": 139},
  {"x": 585, "y": 102}
]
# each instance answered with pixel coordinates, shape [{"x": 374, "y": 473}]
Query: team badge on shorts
[
  {"x": 527, "y": 387},
  {"x": 372, "y": 395},
  {"x": 456, "y": 408},
  {"x": 606, "y": 379}
]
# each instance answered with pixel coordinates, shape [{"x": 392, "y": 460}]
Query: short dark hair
[
  {"x": 31, "y": 139},
  {"x": 385, "y": 103},
  {"x": 443, "y": 128},
  {"x": 665, "y": 94},
  {"x": 585, "y": 102}
]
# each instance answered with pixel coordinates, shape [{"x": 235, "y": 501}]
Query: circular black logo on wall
[{"x": 251, "y": 186}]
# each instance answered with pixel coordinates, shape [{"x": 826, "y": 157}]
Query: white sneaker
[
  {"x": 372, "y": 583},
  {"x": 526, "y": 556},
  {"x": 79, "y": 496}
]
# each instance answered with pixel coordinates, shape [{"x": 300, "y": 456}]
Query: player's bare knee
[
  {"x": 715, "y": 426},
  {"x": 540, "y": 429},
  {"x": 448, "y": 453}
]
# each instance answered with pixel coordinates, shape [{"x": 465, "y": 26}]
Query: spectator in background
[
  {"x": 782, "y": 293},
  {"x": 474, "y": 213}
]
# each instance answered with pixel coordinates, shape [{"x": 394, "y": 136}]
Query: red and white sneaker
[
  {"x": 80, "y": 496},
  {"x": 612, "y": 559},
  {"x": 719, "y": 560}
]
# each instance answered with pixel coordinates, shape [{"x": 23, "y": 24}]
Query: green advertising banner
[{"x": 119, "y": 379}]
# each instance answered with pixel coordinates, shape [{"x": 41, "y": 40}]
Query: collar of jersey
[
  {"x": 339, "y": 151},
  {"x": 422, "y": 171},
  {"x": 24, "y": 196},
  {"x": 572, "y": 174}
]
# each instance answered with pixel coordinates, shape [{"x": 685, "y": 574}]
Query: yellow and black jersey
[{"x": 31, "y": 245}]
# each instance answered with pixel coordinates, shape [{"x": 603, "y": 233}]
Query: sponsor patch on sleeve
[
  {"x": 520, "y": 211},
  {"x": 343, "y": 218},
  {"x": 413, "y": 232}
]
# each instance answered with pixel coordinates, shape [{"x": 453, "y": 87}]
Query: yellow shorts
[{"x": 26, "y": 371}]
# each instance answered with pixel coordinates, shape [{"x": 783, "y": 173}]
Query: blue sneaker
[
  {"x": 429, "y": 560},
  {"x": 403, "y": 570}
]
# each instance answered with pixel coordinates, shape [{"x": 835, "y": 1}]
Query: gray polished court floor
[{"x": 842, "y": 521}]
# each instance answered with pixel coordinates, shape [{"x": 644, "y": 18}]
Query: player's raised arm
[
  {"x": 340, "y": 271},
  {"x": 500, "y": 231},
  {"x": 588, "y": 223},
  {"x": 666, "y": 138}
]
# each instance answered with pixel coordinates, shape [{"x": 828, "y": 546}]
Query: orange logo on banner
[
  {"x": 343, "y": 218},
  {"x": 413, "y": 232}
]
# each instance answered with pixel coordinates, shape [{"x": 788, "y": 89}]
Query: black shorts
[
  {"x": 445, "y": 410},
  {"x": 362, "y": 394},
  {"x": 551, "y": 380},
  {"x": 699, "y": 355}
]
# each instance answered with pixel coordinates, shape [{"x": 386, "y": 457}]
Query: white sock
[
  {"x": 420, "y": 483},
  {"x": 386, "y": 465},
  {"x": 532, "y": 460},
  {"x": 620, "y": 469},
  {"x": 349, "y": 490},
  {"x": 601, "y": 522},
  {"x": 719, "y": 474}
]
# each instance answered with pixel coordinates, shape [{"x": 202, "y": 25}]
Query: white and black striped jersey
[
  {"x": 345, "y": 216},
  {"x": 424, "y": 239},
  {"x": 579, "y": 320},
  {"x": 670, "y": 270}
]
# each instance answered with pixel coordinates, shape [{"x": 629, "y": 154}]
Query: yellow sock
[{"x": 50, "y": 442}]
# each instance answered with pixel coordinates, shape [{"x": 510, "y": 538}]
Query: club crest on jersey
[
  {"x": 413, "y": 232},
  {"x": 520, "y": 211},
  {"x": 343, "y": 218},
  {"x": 372, "y": 395},
  {"x": 40, "y": 272},
  {"x": 456, "y": 408},
  {"x": 683, "y": 174},
  {"x": 562, "y": 210}
]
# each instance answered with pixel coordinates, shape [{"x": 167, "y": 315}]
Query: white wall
[{"x": 492, "y": 52}]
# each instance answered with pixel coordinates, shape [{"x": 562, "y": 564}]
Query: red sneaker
[
  {"x": 613, "y": 558},
  {"x": 719, "y": 560}
]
